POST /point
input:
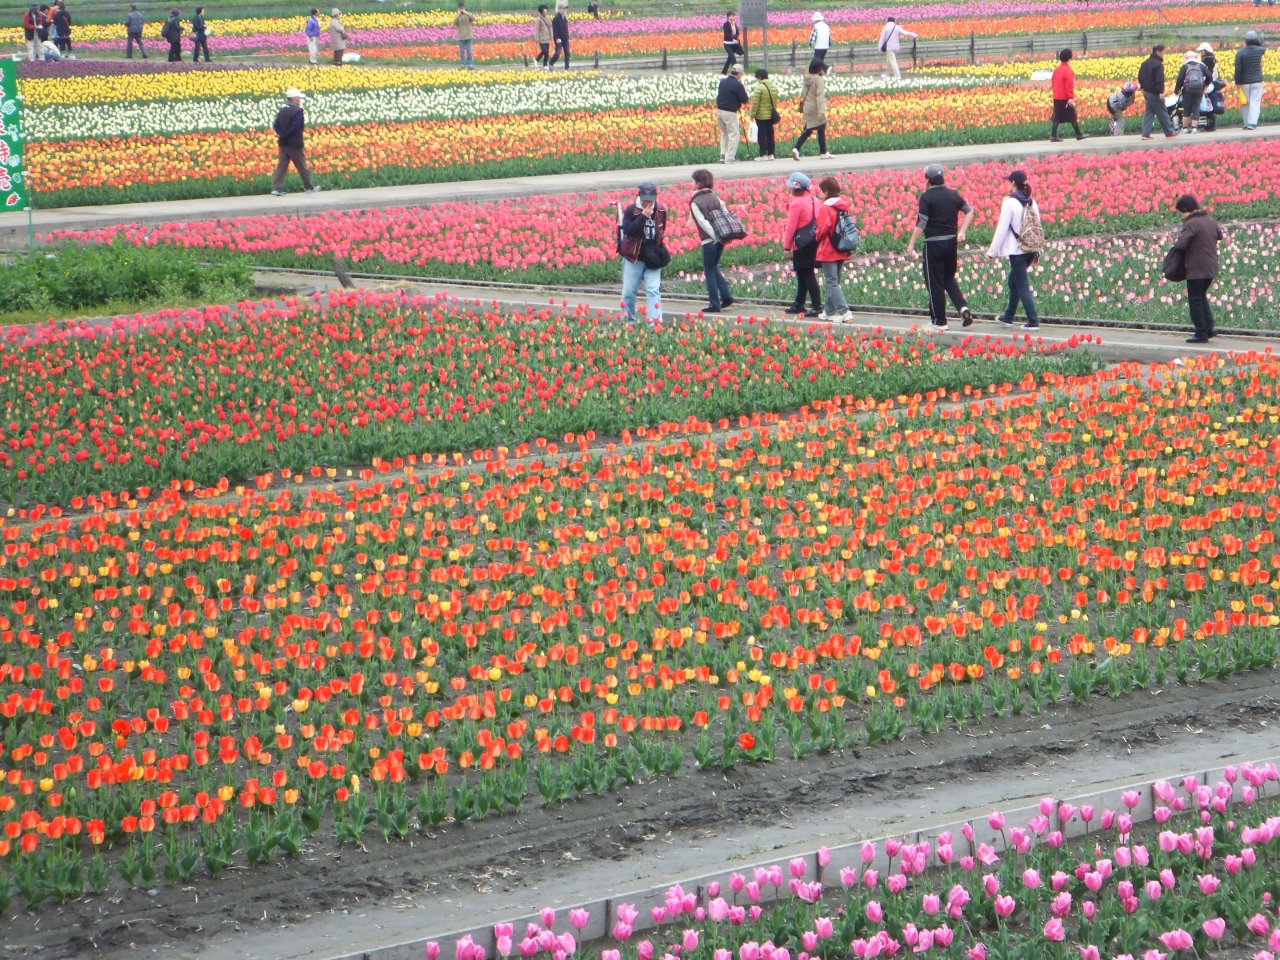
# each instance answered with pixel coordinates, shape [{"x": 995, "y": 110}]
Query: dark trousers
[
  {"x": 821, "y": 131},
  {"x": 940, "y": 278},
  {"x": 175, "y": 51},
  {"x": 1020, "y": 290},
  {"x": 764, "y": 133},
  {"x": 821, "y": 55},
  {"x": 1156, "y": 110},
  {"x": 807, "y": 283},
  {"x": 299, "y": 160},
  {"x": 63, "y": 44},
  {"x": 560, "y": 45},
  {"x": 718, "y": 292},
  {"x": 128, "y": 47},
  {"x": 1063, "y": 114},
  {"x": 731, "y": 51},
  {"x": 544, "y": 54},
  {"x": 337, "y": 57},
  {"x": 200, "y": 42},
  {"x": 1201, "y": 312}
]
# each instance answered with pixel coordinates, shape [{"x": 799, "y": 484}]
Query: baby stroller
[{"x": 1212, "y": 105}]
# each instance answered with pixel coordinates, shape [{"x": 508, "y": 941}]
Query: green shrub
[{"x": 72, "y": 277}]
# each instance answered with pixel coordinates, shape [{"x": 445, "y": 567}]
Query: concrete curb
[{"x": 603, "y": 910}]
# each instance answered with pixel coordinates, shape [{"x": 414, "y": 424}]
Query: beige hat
[
  {"x": 293, "y": 93},
  {"x": 336, "y": 11}
]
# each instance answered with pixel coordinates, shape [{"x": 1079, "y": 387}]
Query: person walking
[
  {"x": 560, "y": 34},
  {"x": 133, "y": 24},
  {"x": 732, "y": 42},
  {"x": 31, "y": 24},
  {"x": 642, "y": 229},
  {"x": 764, "y": 111},
  {"x": 943, "y": 227},
  {"x": 199, "y": 36},
  {"x": 593, "y": 8},
  {"x": 337, "y": 36},
  {"x": 1151, "y": 80},
  {"x": 289, "y": 126},
  {"x": 1197, "y": 248},
  {"x": 542, "y": 37},
  {"x": 731, "y": 96},
  {"x": 828, "y": 257},
  {"x": 800, "y": 239},
  {"x": 1064, "y": 97},
  {"x": 1117, "y": 104},
  {"x": 1248, "y": 78},
  {"x": 462, "y": 22},
  {"x": 702, "y": 205},
  {"x": 813, "y": 110},
  {"x": 820, "y": 37},
  {"x": 312, "y": 33},
  {"x": 62, "y": 23},
  {"x": 172, "y": 31},
  {"x": 890, "y": 43},
  {"x": 1190, "y": 83},
  {"x": 1017, "y": 211}
]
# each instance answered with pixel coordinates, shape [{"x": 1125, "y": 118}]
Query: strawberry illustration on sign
[{"x": 12, "y": 179}]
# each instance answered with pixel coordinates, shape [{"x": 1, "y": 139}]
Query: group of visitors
[
  {"x": 47, "y": 31},
  {"x": 549, "y": 30},
  {"x": 819, "y": 42},
  {"x": 762, "y": 112},
  {"x": 821, "y": 234},
  {"x": 1198, "y": 85},
  {"x": 337, "y": 36}
]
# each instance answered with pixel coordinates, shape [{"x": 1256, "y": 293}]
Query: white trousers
[{"x": 891, "y": 61}]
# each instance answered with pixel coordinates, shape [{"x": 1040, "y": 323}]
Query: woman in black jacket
[
  {"x": 1198, "y": 244},
  {"x": 62, "y": 20},
  {"x": 199, "y": 36},
  {"x": 732, "y": 42}
]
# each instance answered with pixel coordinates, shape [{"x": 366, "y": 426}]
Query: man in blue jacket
[
  {"x": 288, "y": 127},
  {"x": 730, "y": 98}
]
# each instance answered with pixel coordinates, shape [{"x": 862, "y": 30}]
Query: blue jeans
[
  {"x": 718, "y": 292},
  {"x": 1020, "y": 290},
  {"x": 464, "y": 53},
  {"x": 632, "y": 273}
]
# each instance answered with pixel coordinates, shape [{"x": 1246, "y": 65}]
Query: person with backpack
[
  {"x": 764, "y": 113},
  {"x": 707, "y": 213},
  {"x": 1064, "y": 97},
  {"x": 172, "y": 32},
  {"x": 1194, "y": 258},
  {"x": 1191, "y": 82},
  {"x": 837, "y": 233},
  {"x": 312, "y": 33},
  {"x": 891, "y": 42},
  {"x": 199, "y": 36},
  {"x": 943, "y": 227},
  {"x": 1248, "y": 78},
  {"x": 1117, "y": 104},
  {"x": 800, "y": 239},
  {"x": 642, "y": 231},
  {"x": 1019, "y": 238}
]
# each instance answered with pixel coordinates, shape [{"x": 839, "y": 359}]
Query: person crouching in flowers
[
  {"x": 642, "y": 229},
  {"x": 1017, "y": 214}
]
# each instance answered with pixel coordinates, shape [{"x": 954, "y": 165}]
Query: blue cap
[{"x": 798, "y": 181}]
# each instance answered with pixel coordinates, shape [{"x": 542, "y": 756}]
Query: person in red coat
[
  {"x": 1064, "y": 97},
  {"x": 827, "y": 256}
]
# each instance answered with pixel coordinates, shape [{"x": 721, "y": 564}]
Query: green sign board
[{"x": 14, "y": 193}]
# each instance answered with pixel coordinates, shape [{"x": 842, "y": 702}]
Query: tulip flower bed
[
  {"x": 204, "y": 672},
  {"x": 1183, "y": 889},
  {"x": 1113, "y": 278},
  {"x": 571, "y": 239},
  {"x": 232, "y": 393}
]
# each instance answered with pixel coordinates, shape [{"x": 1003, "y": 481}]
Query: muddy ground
[{"x": 327, "y": 899}]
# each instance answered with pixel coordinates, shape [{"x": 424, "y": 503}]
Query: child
[{"x": 1118, "y": 103}]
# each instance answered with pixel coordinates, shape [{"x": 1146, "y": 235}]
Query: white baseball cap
[
  {"x": 817, "y": 16},
  {"x": 293, "y": 93}
]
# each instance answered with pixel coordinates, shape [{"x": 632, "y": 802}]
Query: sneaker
[
  {"x": 1055, "y": 139},
  {"x": 277, "y": 193},
  {"x": 966, "y": 317},
  {"x": 823, "y": 316},
  {"x": 795, "y": 153},
  {"x": 1148, "y": 138},
  {"x": 827, "y": 156},
  {"x": 762, "y": 159},
  {"x": 846, "y": 317},
  {"x": 1031, "y": 326},
  {"x": 1083, "y": 136},
  {"x": 772, "y": 157},
  {"x": 731, "y": 160},
  {"x": 1170, "y": 136},
  {"x": 316, "y": 189},
  {"x": 710, "y": 309},
  {"x": 812, "y": 313},
  {"x": 1197, "y": 339},
  {"x": 939, "y": 327},
  {"x": 1007, "y": 321}
]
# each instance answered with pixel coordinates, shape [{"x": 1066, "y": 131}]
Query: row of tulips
[
  {"x": 1111, "y": 278},
  {"x": 558, "y": 239},
  {"x": 224, "y": 672},
  {"x": 1182, "y": 889},
  {"x": 512, "y": 38},
  {"x": 1095, "y": 68}
]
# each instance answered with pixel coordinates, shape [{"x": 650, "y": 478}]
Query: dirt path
[{"x": 329, "y": 903}]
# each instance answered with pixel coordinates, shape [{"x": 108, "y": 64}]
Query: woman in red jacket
[
  {"x": 1064, "y": 97},
  {"x": 828, "y": 257}
]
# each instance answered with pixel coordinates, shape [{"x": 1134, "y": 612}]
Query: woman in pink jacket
[
  {"x": 802, "y": 212},
  {"x": 828, "y": 257}
]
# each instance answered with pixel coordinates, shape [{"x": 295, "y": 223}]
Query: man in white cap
[
  {"x": 820, "y": 37},
  {"x": 288, "y": 127},
  {"x": 890, "y": 43}
]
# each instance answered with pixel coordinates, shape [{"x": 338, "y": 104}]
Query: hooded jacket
[
  {"x": 1249, "y": 63},
  {"x": 826, "y": 225}
]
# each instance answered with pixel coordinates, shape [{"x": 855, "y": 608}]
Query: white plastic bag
[{"x": 753, "y": 133}]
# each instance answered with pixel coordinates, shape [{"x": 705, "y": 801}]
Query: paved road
[{"x": 13, "y": 226}]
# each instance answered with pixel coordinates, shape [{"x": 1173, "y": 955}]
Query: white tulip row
[{"x": 592, "y": 93}]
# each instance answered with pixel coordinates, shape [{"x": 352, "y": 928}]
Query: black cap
[{"x": 1019, "y": 177}]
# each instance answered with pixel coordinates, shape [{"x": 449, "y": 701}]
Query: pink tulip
[
  {"x": 463, "y": 948},
  {"x": 504, "y": 945},
  {"x": 1031, "y": 879},
  {"x": 868, "y": 851},
  {"x": 943, "y": 936},
  {"x": 990, "y": 884},
  {"x": 644, "y": 950},
  {"x": 966, "y": 831},
  {"x": 690, "y": 940},
  {"x": 874, "y": 912},
  {"x": 578, "y": 918},
  {"x": 718, "y": 910},
  {"x": 528, "y": 947},
  {"x": 798, "y": 867},
  {"x": 1089, "y": 952},
  {"x": 977, "y": 952},
  {"x": 1054, "y": 930},
  {"x": 1086, "y": 812},
  {"x": 809, "y": 939},
  {"x": 1167, "y": 879},
  {"x": 1154, "y": 955},
  {"x": 848, "y": 877},
  {"x": 1259, "y": 925},
  {"x": 722, "y": 954},
  {"x": 610, "y": 955},
  {"x": 1176, "y": 940},
  {"x": 891, "y": 847},
  {"x": 996, "y": 821},
  {"x": 1140, "y": 855},
  {"x": 713, "y": 888},
  {"x": 824, "y": 856},
  {"x": 896, "y": 883},
  {"x": 433, "y": 950},
  {"x": 749, "y": 951},
  {"x": 548, "y": 917},
  {"x": 1214, "y": 928},
  {"x": 1005, "y": 906},
  {"x": 1061, "y": 905},
  {"x": 1208, "y": 883},
  {"x": 870, "y": 878},
  {"x": 1131, "y": 798},
  {"x": 622, "y": 931}
]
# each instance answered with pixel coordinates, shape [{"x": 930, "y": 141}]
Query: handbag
[
  {"x": 655, "y": 255},
  {"x": 725, "y": 226},
  {"x": 807, "y": 236},
  {"x": 1175, "y": 265},
  {"x": 753, "y": 133},
  {"x": 629, "y": 247}
]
